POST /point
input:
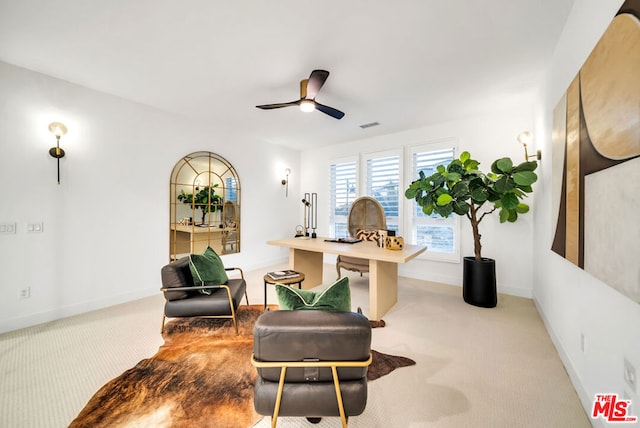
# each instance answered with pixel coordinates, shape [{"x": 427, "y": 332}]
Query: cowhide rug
[{"x": 201, "y": 377}]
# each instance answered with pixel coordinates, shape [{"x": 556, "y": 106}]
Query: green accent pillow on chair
[
  {"x": 207, "y": 269},
  {"x": 337, "y": 297}
]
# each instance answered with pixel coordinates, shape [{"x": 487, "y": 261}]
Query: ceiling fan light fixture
[{"x": 307, "y": 106}]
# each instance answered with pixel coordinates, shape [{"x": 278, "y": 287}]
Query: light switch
[
  {"x": 7, "y": 228},
  {"x": 35, "y": 227}
]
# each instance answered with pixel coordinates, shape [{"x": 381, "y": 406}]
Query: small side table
[{"x": 287, "y": 281}]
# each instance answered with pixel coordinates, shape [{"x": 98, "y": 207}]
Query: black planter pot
[{"x": 479, "y": 282}]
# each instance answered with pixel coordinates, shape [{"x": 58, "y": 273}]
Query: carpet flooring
[{"x": 475, "y": 367}]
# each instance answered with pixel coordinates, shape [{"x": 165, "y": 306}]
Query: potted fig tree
[
  {"x": 461, "y": 188},
  {"x": 205, "y": 199}
]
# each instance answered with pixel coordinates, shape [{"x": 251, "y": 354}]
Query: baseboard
[
  {"x": 74, "y": 309},
  {"x": 456, "y": 281},
  {"x": 585, "y": 399}
]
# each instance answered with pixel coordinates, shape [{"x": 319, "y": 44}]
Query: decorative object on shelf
[
  {"x": 314, "y": 214},
  {"x": 299, "y": 231},
  {"x": 58, "y": 129},
  {"x": 368, "y": 235},
  {"x": 205, "y": 199},
  {"x": 394, "y": 243},
  {"x": 525, "y": 138},
  {"x": 285, "y": 181},
  {"x": 461, "y": 188},
  {"x": 306, "y": 209},
  {"x": 382, "y": 238}
]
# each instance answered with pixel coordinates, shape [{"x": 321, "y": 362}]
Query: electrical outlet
[
  {"x": 25, "y": 293},
  {"x": 630, "y": 375}
]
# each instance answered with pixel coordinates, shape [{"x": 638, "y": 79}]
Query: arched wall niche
[{"x": 204, "y": 206}]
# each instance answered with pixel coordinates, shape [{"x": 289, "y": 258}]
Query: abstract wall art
[{"x": 596, "y": 159}]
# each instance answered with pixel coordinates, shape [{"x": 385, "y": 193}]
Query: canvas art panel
[{"x": 596, "y": 159}]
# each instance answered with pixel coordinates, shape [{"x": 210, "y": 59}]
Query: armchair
[
  {"x": 184, "y": 300},
  {"x": 311, "y": 363}
]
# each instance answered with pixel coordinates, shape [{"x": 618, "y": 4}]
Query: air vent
[{"x": 369, "y": 125}]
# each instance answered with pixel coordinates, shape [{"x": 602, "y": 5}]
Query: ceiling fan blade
[
  {"x": 279, "y": 105},
  {"x": 316, "y": 80},
  {"x": 330, "y": 111},
  {"x": 303, "y": 88}
]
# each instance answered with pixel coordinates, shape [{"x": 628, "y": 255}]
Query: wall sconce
[
  {"x": 525, "y": 138},
  {"x": 285, "y": 181},
  {"x": 58, "y": 129}
]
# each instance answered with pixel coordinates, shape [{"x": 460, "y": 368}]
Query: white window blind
[
  {"x": 344, "y": 191},
  {"x": 383, "y": 181},
  {"x": 440, "y": 235}
]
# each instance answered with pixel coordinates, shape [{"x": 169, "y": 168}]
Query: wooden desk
[
  {"x": 195, "y": 239},
  {"x": 306, "y": 255}
]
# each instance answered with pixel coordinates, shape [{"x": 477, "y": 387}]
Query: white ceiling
[{"x": 403, "y": 63}]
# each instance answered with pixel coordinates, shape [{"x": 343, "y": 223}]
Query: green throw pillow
[
  {"x": 335, "y": 298},
  {"x": 207, "y": 269}
]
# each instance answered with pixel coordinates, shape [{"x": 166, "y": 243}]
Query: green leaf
[
  {"x": 444, "y": 199},
  {"x": 525, "y": 178},
  {"x": 460, "y": 207},
  {"x": 504, "y": 184},
  {"x": 522, "y": 208},
  {"x": 504, "y": 165},
  {"x": 513, "y": 216},
  {"x": 460, "y": 190},
  {"x": 504, "y": 215},
  {"x": 526, "y": 166},
  {"x": 411, "y": 192},
  {"x": 452, "y": 176},
  {"x": 444, "y": 210},
  {"x": 427, "y": 209},
  {"x": 464, "y": 156},
  {"x": 441, "y": 168},
  {"x": 479, "y": 194},
  {"x": 471, "y": 165},
  {"x": 509, "y": 201}
]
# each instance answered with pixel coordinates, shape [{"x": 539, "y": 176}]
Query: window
[
  {"x": 440, "y": 235},
  {"x": 381, "y": 175},
  {"x": 344, "y": 190},
  {"x": 383, "y": 182}
]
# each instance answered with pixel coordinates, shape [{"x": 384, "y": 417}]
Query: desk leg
[
  {"x": 383, "y": 288},
  {"x": 309, "y": 263}
]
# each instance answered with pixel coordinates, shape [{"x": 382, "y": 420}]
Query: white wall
[
  {"x": 572, "y": 302},
  {"x": 487, "y": 138},
  {"x": 106, "y": 226}
]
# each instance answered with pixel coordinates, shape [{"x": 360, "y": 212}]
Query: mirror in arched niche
[{"x": 204, "y": 205}]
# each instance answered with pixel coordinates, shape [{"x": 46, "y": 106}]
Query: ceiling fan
[{"x": 308, "y": 90}]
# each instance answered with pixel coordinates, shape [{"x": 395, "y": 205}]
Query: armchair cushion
[
  {"x": 174, "y": 275},
  {"x": 337, "y": 297},
  {"x": 217, "y": 303},
  {"x": 207, "y": 269},
  {"x": 286, "y": 336}
]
